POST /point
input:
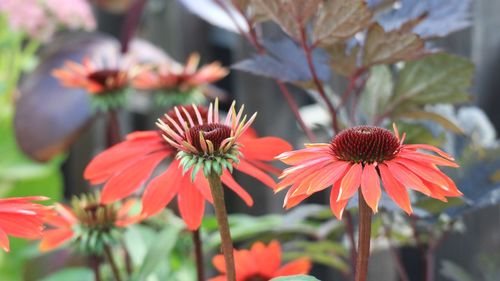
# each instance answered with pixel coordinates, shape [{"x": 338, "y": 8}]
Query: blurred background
[{"x": 473, "y": 252}]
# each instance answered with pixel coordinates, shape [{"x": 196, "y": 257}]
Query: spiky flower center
[
  {"x": 107, "y": 78},
  {"x": 214, "y": 132},
  {"x": 365, "y": 144},
  {"x": 257, "y": 277},
  {"x": 93, "y": 215}
]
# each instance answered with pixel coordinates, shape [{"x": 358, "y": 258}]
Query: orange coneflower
[
  {"x": 177, "y": 84},
  {"x": 358, "y": 158},
  {"x": 106, "y": 81},
  {"x": 88, "y": 223},
  {"x": 126, "y": 166},
  {"x": 20, "y": 217},
  {"x": 261, "y": 263}
]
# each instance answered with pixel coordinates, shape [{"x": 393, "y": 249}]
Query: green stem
[
  {"x": 112, "y": 263},
  {"x": 222, "y": 221},
  {"x": 365, "y": 223}
]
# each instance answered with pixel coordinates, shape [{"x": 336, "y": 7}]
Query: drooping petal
[
  {"x": 370, "y": 186},
  {"x": 267, "y": 259},
  {"x": 252, "y": 171},
  {"x": 161, "y": 190},
  {"x": 202, "y": 184},
  {"x": 350, "y": 182},
  {"x": 219, "y": 263},
  {"x": 266, "y": 148},
  {"x": 337, "y": 206},
  {"x": 191, "y": 204},
  {"x": 54, "y": 238},
  {"x": 296, "y": 267},
  {"x": 426, "y": 158},
  {"x": 394, "y": 189},
  {"x": 132, "y": 178},
  {"x": 304, "y": 155},
  {"x": 228, "y": 180},
  {"x": 431, "y": 148},
  {"x": 407, "y": 177}
]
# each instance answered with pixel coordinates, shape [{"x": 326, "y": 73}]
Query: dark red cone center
[
  {"x": 214, "y": 132},
  {"x": 102, "y": 77},
  {"x": 257, "y": 277},
  {"x": 365, "y": 144}
]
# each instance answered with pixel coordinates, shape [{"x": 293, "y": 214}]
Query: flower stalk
[
  {"x": 365, "y": 225},
  {"x": 111, "y": 260},
  {"x": 198, "y": 251},
  {"x": 113, "y": 129},
  {"x": 222, "y": 221}
]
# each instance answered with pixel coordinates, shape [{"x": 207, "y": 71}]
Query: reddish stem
[
  {"x": 295, "y": 109},
  {"x": 198, "y": 251},
  {"x": 365, "y": 223},
  {"x": 317, "y": 82},
  {"x": 114, "y": 266},
  {"x": 95, "y": 264},
  {"x": 128, "y": 259}
]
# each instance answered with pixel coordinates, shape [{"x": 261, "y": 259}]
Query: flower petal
[
  {"x": 266, "y": 148},
  {"x": 4, "y": 241},
  {"x": 336, "y": 206},
  {"x": 407, "y": 177},
  {"x": 394, "y": 189},
  {"x": 54, "y": 238},
  {"x": 129, "y": 180},
  {"x": 253, "y": 171},
  {"x": 161, "y": 190},
  {"x": 228, "y": 180},
  {"x": 370, "y": 186},
  {"x": 296, "y": 267},
  {"x": 350, "y": 182},
  {"x": 191, "y": 204}
]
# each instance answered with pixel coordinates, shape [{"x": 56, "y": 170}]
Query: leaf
[
  {"x": 296, "y": 278},
  {"x": 159, "y": 249},
  {"x": 339, "y": 20},
  {"x": 438, "y": 118},
  {"x": 441, "y": 17},
  {"x": 377, "y": 91},
  {"x": 286, "y": 62},
  {"x": 73, "y": 274},
  {"x": 454, "y": 272},
  {"x": 383, "y": 47},
  {"x": 290, "y": 15},
  {"x": 440, "y": 78},
  {"x": 343, "y": 58},
  {"x": 436, "y": 207},
  {"x": 210, "y": 11}
]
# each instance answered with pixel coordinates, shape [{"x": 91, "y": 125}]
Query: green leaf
[
  {"x": 436, "y": 117},
  {"x": 377, "y": 92},
  {"x": 73, "y": 274},
  {"x": 435, "y": 206},
  {"x": 157, "y": 253},
  {"x": 441, "y": 78},
  {"x": 296, "y": 278}
]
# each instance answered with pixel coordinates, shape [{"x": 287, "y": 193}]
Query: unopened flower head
[
  {"x": 210, "y": 144},
  {"x": 358, "y": 158},
  {"x": 88, "y": 223}
]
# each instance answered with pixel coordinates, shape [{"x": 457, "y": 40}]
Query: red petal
[
  {"x": 266, "y": 148},
  {"x": 429, "y": 147},
  {"x": 426, "y": 158},
  {"x": 267, "y": 259},
  {"x": 54, "y": 238},
  {"x": 297, "y": 267},
  {"x": 370, "y": 186},
  {"x": 191, "y": 204},
  {"x": 219, "y": 263},
  {"x": 350, "y": 182},
  {"x": 129, "y": 180},
  {"x": 250, "y": 170},
  {"x": 161, "y": 190},
  {"x": 337, "y": 207},
  {"x": 394, "y": 189},
  {"x": 407, "y": 177},
  {"x": 202, "y": 184},
  {"x": 228, "y": 180}
]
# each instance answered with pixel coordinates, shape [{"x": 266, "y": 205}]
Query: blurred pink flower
[{"x": 40, "y": 19}]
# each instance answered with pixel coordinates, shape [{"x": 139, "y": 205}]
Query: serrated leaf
[
  {"x": 290, "y": 15},
  {"x": 440, "y": 78},
  {"x": 286, "y": 61},
  {"x": 438, "y": 118},
  {"x": 339, "y": 20},
  {"x": 296, "y": 278},
  {"x": 377, "y": 92},
  {"x": 344, "y": 60},
  {"x": 383, "y": 47},
  {"x": 441, "y": 17}
]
